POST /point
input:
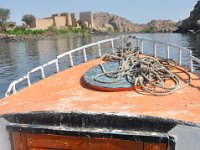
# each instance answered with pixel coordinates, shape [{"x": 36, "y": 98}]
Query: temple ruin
[{"x": 63, "y": 20}]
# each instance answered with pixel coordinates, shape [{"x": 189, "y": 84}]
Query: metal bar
[
  {"x": 57, "y": 66},
  {"x": 159, "y": 42},
  {"x": 99, "y": 49},
  {"x": 155, "y": 50},
  {"x": 112, "y": 44},
  {"x": 176, "y": 46},
  {"x": 104, "y": 41},
  {"x": 35, "y": 69},
  {"x": 132, "y": 42},
  {"x": 14, "y": 88},
  {"x": 62, "y": 55},
  {"x": 167, "y": 52},
  {"x": 49, "y": 63},
  {"x": 137, "y": 42},
  {"x": 21, "y": 79},
  {"x": 71, "y": 59},
  {"x": 179, "y": 56},
  {"x": 10, "y": 88},
  {"x": 122, "y": 42},
  {"x": 141, "y": 46},
  {"x": 28, "y": 79},
  {"x": 195, "y": 59},
  {"x": 84, "y": 54},
  {"x": 191, "y": 62},
  {"x": 42, "y": 72}
]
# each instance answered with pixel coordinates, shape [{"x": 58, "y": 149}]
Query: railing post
[
  {"x": 99, "y": 50},
  {"x": 190, "y": 62},
  {"x": 42, "y": 72},
  {"x": 122, "y": 42},
  {"x": 112, "y": 44},
  {"x": 155, "y": 50},
  {"x": 142, "y": 46},
  {"x": 167, "y": 52},
  {"x": 14, "y": 89},
  {"x": 137, "y": 42},
  {"x": 179, "y": 56},
  {"x": 84, "y": 54},
  {"x": 71, "y": 59},
  {"x": 57, "y": 67},
  {"x": 28, "y": 79}
]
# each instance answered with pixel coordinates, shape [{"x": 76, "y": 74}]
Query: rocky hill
[
  {"x": 109, "y": 22},
  {"x": 162, "y": 26},
  {"x": 192, "y": 23}
]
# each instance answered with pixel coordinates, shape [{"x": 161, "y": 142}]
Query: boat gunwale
[{"x": 15, "y": 117}]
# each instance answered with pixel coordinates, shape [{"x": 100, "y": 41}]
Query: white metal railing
[
  {"x": 168, "y": 46},
  {"x": 12, "y": 87}
]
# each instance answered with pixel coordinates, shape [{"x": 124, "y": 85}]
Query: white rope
[{"x": 147, "y": 72}]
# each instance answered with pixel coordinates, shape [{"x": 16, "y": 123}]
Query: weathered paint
[
  {"x": 139, "y": 128},
  {"x": 65, "y": 92},
  {"x": 23, "y": 141},
  {"x": 120, "y": 85}
]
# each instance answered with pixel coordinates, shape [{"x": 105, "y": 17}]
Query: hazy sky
[{"x": 138, "y": 11}]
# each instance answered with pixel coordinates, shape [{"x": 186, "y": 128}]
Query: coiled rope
[{"x": 145, "y": 72}]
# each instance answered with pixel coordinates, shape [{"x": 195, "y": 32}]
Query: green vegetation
[
  {"x": 9, "y": 28},
  {"x": 23, "y": 31},
  {"x": 50, "y": 31},
  {"x": 74, "y": 30}
]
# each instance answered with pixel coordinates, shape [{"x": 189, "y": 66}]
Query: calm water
[{"x": 17, "y": 58}]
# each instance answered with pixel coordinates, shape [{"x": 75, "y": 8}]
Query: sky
[{"x": 138, "y": 11}]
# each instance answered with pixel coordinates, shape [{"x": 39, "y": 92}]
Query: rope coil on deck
[{"x": 147, "y": 72}]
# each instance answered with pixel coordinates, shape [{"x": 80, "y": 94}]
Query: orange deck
[{"x": 64, "y": 92}]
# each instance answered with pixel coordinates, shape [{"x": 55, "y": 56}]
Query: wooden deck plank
[
  {"x": 155, "y": 146},
  {"x": 18, "y": 141},
  {"x": 49, "y": 141}
]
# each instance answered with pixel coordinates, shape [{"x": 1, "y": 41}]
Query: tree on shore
[
  {"x": 28, "y": 19},
  {"x": 4, "y": 15}
]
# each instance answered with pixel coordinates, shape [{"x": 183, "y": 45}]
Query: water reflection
[{"x": 17, "y": 58}]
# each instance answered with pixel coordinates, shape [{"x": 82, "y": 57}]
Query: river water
[{"x": 17, "y": 58}]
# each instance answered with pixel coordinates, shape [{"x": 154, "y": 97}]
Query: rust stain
[{"x": 64, "y": 92}]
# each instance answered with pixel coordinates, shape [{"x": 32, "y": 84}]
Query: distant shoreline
[
  {"x": 13, "y": 38},
  {"x": 4, "y": 37},
  {"x": 20, "y": 33}
]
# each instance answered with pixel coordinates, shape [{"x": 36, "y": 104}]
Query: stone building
[
  {"x": 42, "y": 23},
  {"x": 63, "y": 20},
  {"x": 88, "y": 18},
  {"x": 59, "y": 21},
  {"x": 68, "y": 18}
]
